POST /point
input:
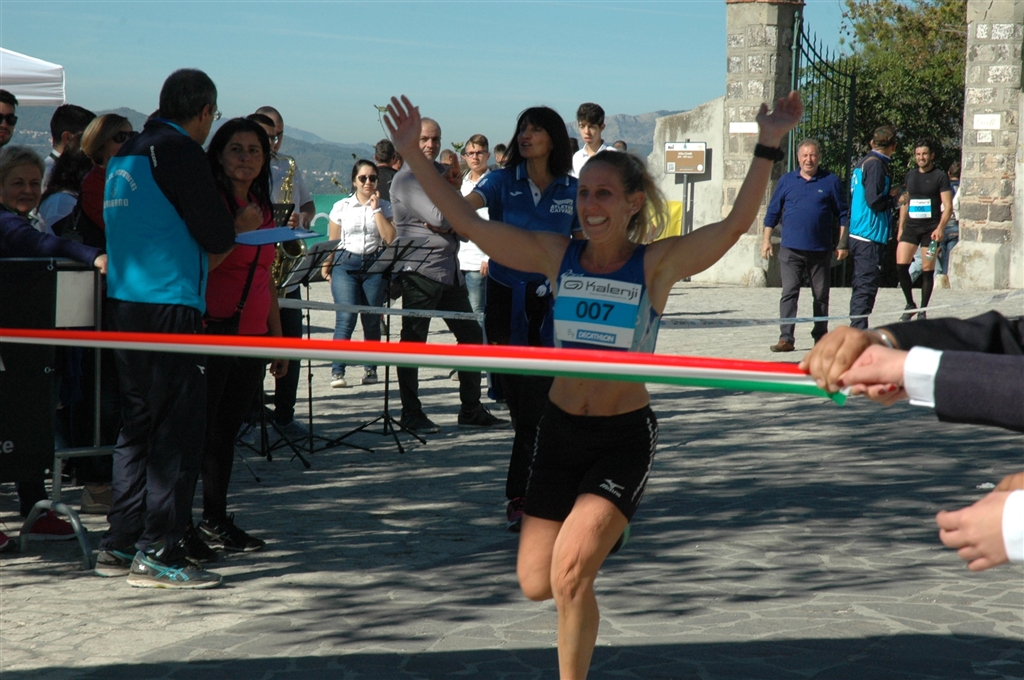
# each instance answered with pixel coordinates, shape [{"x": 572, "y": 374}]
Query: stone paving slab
[{"x": 781, "y": 537}]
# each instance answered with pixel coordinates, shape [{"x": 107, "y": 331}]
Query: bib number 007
[{"x": 593, "y": 310}]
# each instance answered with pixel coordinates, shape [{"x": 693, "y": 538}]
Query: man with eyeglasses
[
  {"x": 8, "y": 119},
  {"x": 165, "y": 220},
  {"x": 472, "y": 260},
  {"x": 430, "y": 279},
  {"x": 285, "y": 388}
]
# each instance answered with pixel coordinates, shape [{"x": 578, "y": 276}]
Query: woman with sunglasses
[
  {"x": 101, "y": 141},
  {"x": 363, "y": 224}
]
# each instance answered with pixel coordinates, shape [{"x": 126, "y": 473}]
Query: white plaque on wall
[
  {"x": 743, "y": 128},
  {"x": 986, "y": 121}
]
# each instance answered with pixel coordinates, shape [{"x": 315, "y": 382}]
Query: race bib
[
  {"x": 920, "y": 208},
  {"x": 600, "y": 312}
]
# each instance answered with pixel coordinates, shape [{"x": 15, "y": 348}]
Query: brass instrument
[{"x": 289, "y": 252}]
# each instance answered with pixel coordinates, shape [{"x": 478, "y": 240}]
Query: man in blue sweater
[{"x": 808, "y": 201}]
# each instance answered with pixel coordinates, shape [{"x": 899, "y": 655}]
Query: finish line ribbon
[{"x": 729, "y": 374}]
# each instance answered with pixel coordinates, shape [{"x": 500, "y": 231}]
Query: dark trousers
[
  {"x": 232, "y": 383},
  {"x": 867, "y": 275},
  {"x": 163, "y": 423},
  {"x": 525, "y": 395},
  {"x": 419, "y": 292},
  {"x": 285, "y": 388},
  {"x": 793, "y": 264}
]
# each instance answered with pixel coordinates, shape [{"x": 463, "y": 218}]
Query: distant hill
[
  {"x": 319, "y": 159},
  {"x": 636, "y": 131}
]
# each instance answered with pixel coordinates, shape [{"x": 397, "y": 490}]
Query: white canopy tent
[{"x": 33, "y": 81}]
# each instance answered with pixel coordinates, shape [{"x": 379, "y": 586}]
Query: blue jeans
[
  {"x": 350, "y": 287},
  {"x": 949, "y": 240},
  {"x": 476, "y": 287}
]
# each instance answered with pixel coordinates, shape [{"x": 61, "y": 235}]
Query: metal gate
[{"x": 827, "y": 84}]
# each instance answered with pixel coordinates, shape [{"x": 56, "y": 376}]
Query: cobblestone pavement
[{"x": 781, "y": 537}]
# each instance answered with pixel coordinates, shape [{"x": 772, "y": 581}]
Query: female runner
[{"x": 596, "y": 441}]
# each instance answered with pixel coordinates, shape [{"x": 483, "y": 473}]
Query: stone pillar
[
  {"x": 759, "y": 53},
  {"x": 991, "y": 249}
]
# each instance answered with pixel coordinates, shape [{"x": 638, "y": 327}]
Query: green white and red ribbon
[{"x": 728, "y": 374}]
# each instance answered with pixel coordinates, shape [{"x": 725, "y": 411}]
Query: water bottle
[{"x": 932, "y": 249}]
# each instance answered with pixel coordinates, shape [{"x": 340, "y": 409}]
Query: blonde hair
[
  {"x": 99, "y": 132},
  {"x": 649, "y": 223}
]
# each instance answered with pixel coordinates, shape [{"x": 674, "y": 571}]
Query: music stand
[{"x": 405, "y": 252}]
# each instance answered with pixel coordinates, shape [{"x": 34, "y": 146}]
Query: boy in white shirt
[{"x": 590, "y": 118}]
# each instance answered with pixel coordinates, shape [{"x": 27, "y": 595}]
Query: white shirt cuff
[
  {"x": 919, "y": 375},
  {"x": 1013, "y": 526}
]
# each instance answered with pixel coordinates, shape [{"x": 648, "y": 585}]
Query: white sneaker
[
  {"x": 338, "y": 381},
  {"x": 370, "y": 376},
  {"x": 294, "y": 430}
]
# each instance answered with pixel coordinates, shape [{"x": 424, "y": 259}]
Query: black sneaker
[
  {"x": 195, "y": 548},
  {"x": 110, "y": 563},
  {"x": 419, "y": 423},
  {"x": 908, "y": 315},
  {"x": 224, "y": 535},
  {"x": 148, "y": 571},
  {"x": 481, "y": 417}
]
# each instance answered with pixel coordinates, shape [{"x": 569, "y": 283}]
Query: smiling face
[
  {"x": 242, "y": 160},
  {"x": 6, "y": 129},
  {"x": 534, "y": 141},
  {"x": 602, "y": 203},
  {"x": 21, "y": 188},
  {"x": 924, "y": 157},
  {"x": 809, "y": 159}
]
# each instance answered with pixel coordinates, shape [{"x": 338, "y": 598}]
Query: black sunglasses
[
  {"x": 122, "y": 136},
  {"x": 363, "y": 179},
  {"x": 10, "y": 119}
]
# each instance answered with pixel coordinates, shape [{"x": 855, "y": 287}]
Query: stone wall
[
  {"x": 991, "y": 249},
  {"x": 759, "y": 52}
]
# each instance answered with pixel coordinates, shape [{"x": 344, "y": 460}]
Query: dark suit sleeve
[
  {"x": 991, "y": 333},
  {"x": 184, "y": 176},
  {"x": 981, "y": 389},
  {"x": 19, "y": 239}
]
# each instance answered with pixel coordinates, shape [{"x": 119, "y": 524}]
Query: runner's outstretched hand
[{"x": 403, "y": 121}]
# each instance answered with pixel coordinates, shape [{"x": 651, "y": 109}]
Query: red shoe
[
  {"x": 49, "y": 527},
  {"x": 7, "y": 544}
]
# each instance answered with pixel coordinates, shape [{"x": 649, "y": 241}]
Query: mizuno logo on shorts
[{"x": 611, "y": 487}]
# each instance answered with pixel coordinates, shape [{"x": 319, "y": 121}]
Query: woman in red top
[
  {"x": 239, "y": 155},
  {"x": 101, "y": 141}
]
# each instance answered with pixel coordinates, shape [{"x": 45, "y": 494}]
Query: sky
[{"x": 472, "y": 65}]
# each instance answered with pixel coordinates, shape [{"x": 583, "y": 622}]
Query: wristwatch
[{"x": 773, "y": 154}]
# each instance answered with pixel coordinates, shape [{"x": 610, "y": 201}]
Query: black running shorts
[
  {"x": 919, "y": 235},
  {"x": 609, "y": 456}
]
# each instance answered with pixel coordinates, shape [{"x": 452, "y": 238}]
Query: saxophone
[{"x": 289, "y": 252}]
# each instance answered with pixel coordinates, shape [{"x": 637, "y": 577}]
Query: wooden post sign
[{"x": 685, "y": 158}]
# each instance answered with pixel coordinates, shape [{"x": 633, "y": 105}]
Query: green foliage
[{"x": 909, "y": 57}]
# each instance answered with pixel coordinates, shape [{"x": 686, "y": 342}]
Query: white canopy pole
[{"x": 33, "y": 81}]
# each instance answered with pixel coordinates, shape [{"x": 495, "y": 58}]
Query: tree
[{"x": 909, "y": 57}]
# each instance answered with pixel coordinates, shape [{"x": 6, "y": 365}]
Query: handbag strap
[{"x": 248, "y": 282}]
